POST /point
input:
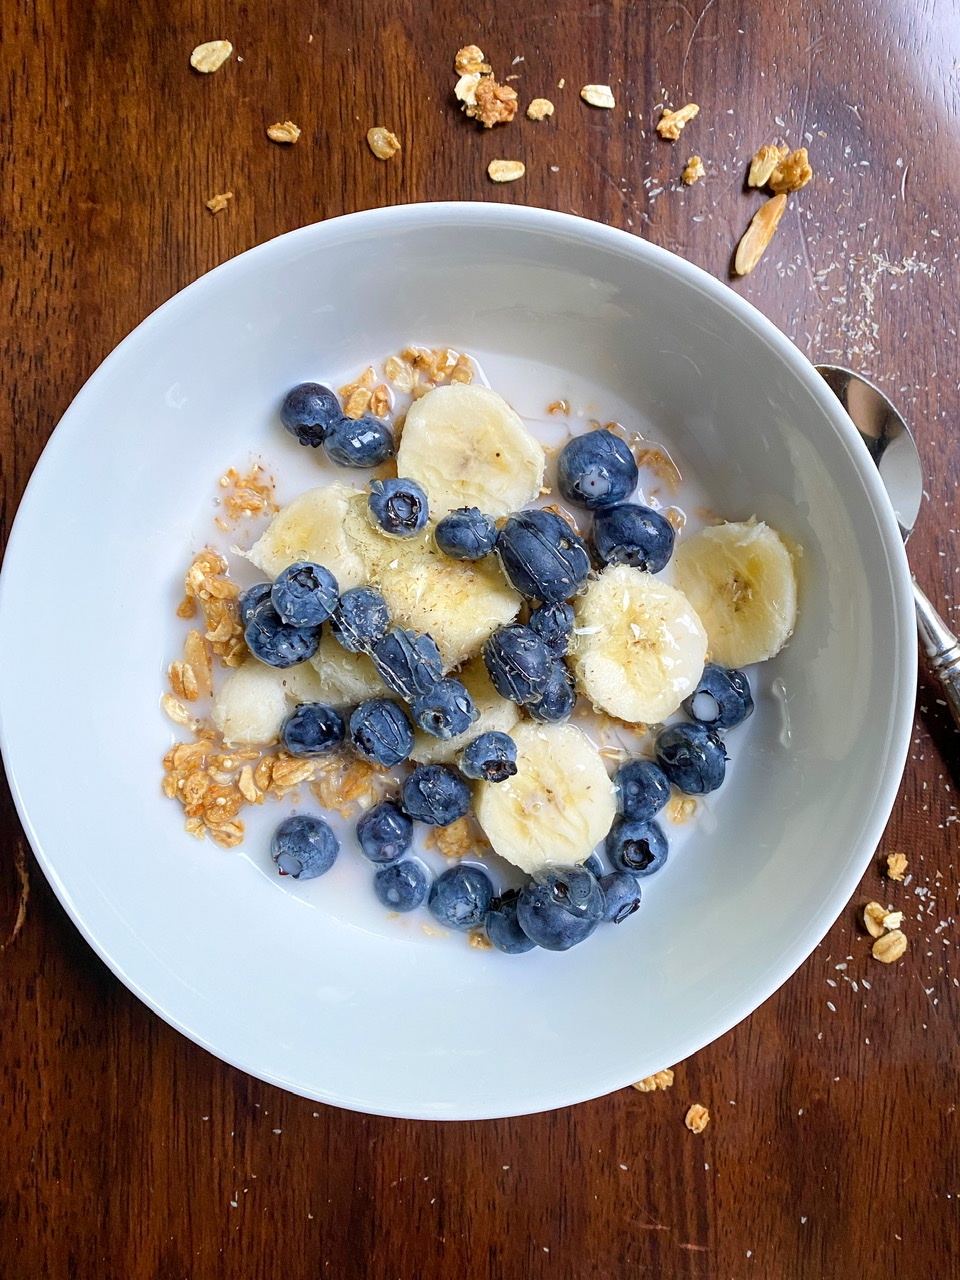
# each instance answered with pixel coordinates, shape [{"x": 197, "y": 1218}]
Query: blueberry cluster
[{"x": 313, "y": 415}]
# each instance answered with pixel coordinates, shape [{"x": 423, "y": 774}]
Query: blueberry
[
  {"x": 402, "y": 886},
  {"x": 435, "y": 794},
  {"x": 312, "y": 729},
  {"x": 490, "y": 757},
  {"x": 400, "y": 507},
  {"x": 304, "y": 847},
  {"x": 722, "y": 699},
  {"x": 642, "y": 789},
  {"x": 556, "y": 700},
  {"x": 594, "y": 865},
  {"x": 359, "y": 619},
  {"x": 553, "y": 623},
  {"x": 276, "y": 643},
  {"x": 503, "y": 928},
  {"x": 460, "y": 897},
  {"x": 309, "y": 411},
  {"x": 518, "y": 662},
  {"x": 385, "y": 833},
  {"x": 692, "y": 757},
  {"x": 445, "y": 710},
  {"x": 466, "y": 534},
  {"x": 596, "y": 469},
  {"x": 544, "y": 558},
  {"x": 407, "y": 663},
  {"x": 628, "y": 533},
  {"x": 561, "y": 909},
  {"x": 251, "y": 598},
  {"x": 381, "y": 732},
  {"x": 304, "y": 594},
  {"x": 638, "y": 847},
  {"x": 359, "y": 442},
  {"x": 621, "y": 896}
]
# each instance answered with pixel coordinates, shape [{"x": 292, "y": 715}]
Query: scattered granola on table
[
  {"x": 598, "y": 95},
  {"x": 539, "y": 109},
  {"x": 480, "y": 96},
  {"x": 382, "y": 142},
  {"x": 896, "y": 866},
  {"x": 693, "y": 171},
  {"x": 216, "y": 203},
  {"x": 697, "y": 1118},
  {"x": 671, "y": 123},
  {"x": 890, "y": 947},
  {"x": 285, "y": 132},
  {"x": 659, "y": 1080},
  {"x": 506, "y": 170},
  {"x": 211, "y": 56},
  {"x": 758, "y": 235}
]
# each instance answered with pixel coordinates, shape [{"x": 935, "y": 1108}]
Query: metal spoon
[{"x": 894, "y": 450}]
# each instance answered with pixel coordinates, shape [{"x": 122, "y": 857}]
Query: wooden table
[{"x": 128, "y": 1152}]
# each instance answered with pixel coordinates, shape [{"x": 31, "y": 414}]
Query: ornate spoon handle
[{"x": 942, "y": 649}]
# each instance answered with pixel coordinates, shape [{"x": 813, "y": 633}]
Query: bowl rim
[{"x": 525, "y": 219}]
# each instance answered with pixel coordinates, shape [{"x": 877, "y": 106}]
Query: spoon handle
[{"x": 942, "y": 649}]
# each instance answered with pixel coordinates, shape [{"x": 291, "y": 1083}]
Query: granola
[
  {"x": 216, "y": 204},
  {"x": 382, "y": 142},
  {"x": 896, "y": 866},
  {"x": 759, "y": 234},
  {"x": 693, "y": 171},
  {"x": 598, "y": 95},
  {"x": 539, "y": 109},
  {"x": 671, "y": 123},
  {"x": 791, "y": 173},
  {"x": 697, "y": 1118},
  {"x": 659, "y": 1080},
  {"x": 211, "y": 56},
  {"x": 286, "y": 131},
  {"x": 506, "y": 170}
]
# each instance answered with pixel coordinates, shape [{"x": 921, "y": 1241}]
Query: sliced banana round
[
  {"x": 557, "y": 807},
  {"x": 639, "y": 646},
  {"x": 315, "y": 526},
  {"x": 496, "y": 713},
  {"x": 337, "y": 677},
  {"x": 740, "y": 578},
  {"x": 458, "y": 602},
  {"x": 468, "y": 448},
  {"x": 252, "y": 703}
]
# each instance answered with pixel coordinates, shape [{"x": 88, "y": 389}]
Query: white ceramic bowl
[{"x": 302, "y": 985}]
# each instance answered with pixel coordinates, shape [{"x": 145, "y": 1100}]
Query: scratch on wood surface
[
  {"x": 697, "y": 1248},
  {"x": 20, "y": 862},
  {"x": 686, "y": 52}
]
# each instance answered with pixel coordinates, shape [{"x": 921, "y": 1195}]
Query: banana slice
[
  {"x": 558, "y": 806},
  {"x": 640, "y": 647},
  {"x": 252, "y": 704},
  {"x": 458, "y": 602},
  {"x": 338, "y": 677},
  {"x": 468, "y": 448},
  {"x": 314, "y": 526},
  {"x": 740, "y": 579},
  {"x": 495, "y": 713}
]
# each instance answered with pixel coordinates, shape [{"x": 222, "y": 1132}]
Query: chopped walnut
[
  {"x": 382, "y": 142},
  {"x": 217, "y": 203},
  {"x": 506, "y": 170},
  {"x": 763, "y": 164},
  {"x": 659, "y": 1080},
  {"x": 759, "y": 234},
  {"x": 890, "y": 947},
  {"x": 697, "y": 1118},
  {"x": 539, "y": 109},
  {"x": 470, "y": 61},
  {"x": 598, "y": 95},
  {"x": 671, "y": 123},
  {"x": 792, "y": 173},
  {"x": 693, "y": 171},
  {"x": 285, "y": 132},
  {"x": 211, "y": 56},
  {"x": 493, "y": 103},
  {"x": 896, "y": 866}
]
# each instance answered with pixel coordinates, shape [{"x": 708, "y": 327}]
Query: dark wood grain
[{"x": 128, "y": 1152}]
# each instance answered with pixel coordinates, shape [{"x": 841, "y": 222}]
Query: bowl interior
[{"x": 303, "y": 986}]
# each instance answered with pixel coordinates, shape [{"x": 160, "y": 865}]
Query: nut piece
[
  {"x": 792, "y": 173},
  {"x": 763, "y": 164},
  {"x": 672, "y": 122},
  {"x": 286, "y": 132},
  {"x": 697, "y": 1118},
  {"x": 382, "y": 142},
  {"x": 890, "y": 947},
  {"x": 599, "y": 95},
  {"x": 694, "y": 171},
  {"x": 465, "y": 89},
  {"x": 210, "y": 56},
  {"x": 506, "y": 170},
  {"x": 216, "y": 203},
  {"x": 470, "y": 61},
  {"x": 896, "y": 866},
  {"x": 493, "y": 103},
  {"x": 659, "y": 1080},
  {"x": 539, "y": 109},
  {"x": 759, "y": 234},
  {"x": 873, "y": 917}
]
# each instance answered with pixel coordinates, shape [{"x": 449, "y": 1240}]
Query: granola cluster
[
  {"x": 245, "y": 496},
  {"x": 480, "y": 96},
  {"x": 781, "y": 171},
  {"x": 209, "y": 588}
]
